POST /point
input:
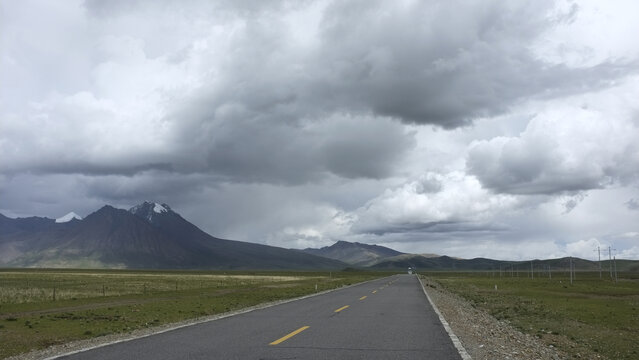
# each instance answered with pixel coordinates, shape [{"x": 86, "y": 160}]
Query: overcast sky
[{"x": 501, "y": 129}]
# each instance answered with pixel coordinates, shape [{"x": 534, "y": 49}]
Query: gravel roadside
[{"x": 483, "y": 336}]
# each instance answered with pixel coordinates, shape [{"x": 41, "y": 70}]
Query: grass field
[
  {"x": 591, "y": 317},
  {"x": 39, "y": 308}
]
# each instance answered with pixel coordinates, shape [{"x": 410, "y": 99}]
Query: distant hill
[
  {"x": 421, "y": 262},
  {"x": 354, "y": 253},
  {"x": 446, "y": 263},
  {"x": 149, "y": 235}
]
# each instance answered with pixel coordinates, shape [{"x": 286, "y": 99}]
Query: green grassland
[
  {"x": 593, "y": 316},
  {"x": 40, "y": 308}
]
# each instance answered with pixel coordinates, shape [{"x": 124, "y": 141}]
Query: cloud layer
[
  {"x": 434, "y": 126},
  {"x": 566, "y": 149}
]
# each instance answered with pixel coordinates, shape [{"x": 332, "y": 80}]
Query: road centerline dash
[
  {"x": 342, "y": 308},
  {"x": 290, "y": 335},
  {"x": 363, "y": 297}
]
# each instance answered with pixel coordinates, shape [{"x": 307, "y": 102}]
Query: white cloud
[
  {"x": 434, "y": 202},
  {"x": 597, "y": 31},
  {"x": 629, "y": 254},
  {"x": 566, "y": 147},
  {"x": 328, "y": 225},
  {"x": 585, "y": 249}
]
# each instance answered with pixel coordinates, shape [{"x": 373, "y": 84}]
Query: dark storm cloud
[
  {"x": 34, "y": 194},
  {"x": 242, "y": 147},
  {"x": 90, "y": 168},
  {"x": 360, "y": 150},
  {"x": 427, "y": 63},
  {"x": 434, "y": 227},
  {"x": 276, "y": 109},
  {"x": 441, "y": 63},
  {"x": 154, "y": 185},
  {"x": 509, "y": 173},
  {"x": 415, "y": 63}
]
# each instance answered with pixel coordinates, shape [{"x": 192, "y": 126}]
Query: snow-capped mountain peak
[
  {"x": 148, "y": 210},
  {"x": 159, "y": 208},
  {"x": 68, "y": 217}
]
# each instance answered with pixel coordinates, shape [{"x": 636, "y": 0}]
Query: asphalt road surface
[{"x": 388, "y": 318}]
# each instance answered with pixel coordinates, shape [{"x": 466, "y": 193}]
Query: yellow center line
[
  {"x": 284, "y": 338},
  {"x": 363, "y": 297},
  {"x": 342, "y": 308},
  {"x": 374, "y": 291}
]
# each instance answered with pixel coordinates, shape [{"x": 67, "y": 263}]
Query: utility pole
[
  {"x": 532, "y": 271},
  {"x": 610, "y": 261},
  {"x": 615, "y": 260},
  {"x": 571, "y": 270},
  {"x": 599, "y": 252}
]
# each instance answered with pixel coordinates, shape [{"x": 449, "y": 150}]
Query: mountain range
[
  {"x": 149, "y": 235},
  {"x": 153, "y": 236}
]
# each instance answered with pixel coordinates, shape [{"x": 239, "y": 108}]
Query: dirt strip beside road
[{"x": 485, "y": 337}]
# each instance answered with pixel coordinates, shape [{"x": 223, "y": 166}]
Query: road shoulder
[{"x": 483, "y": 336}]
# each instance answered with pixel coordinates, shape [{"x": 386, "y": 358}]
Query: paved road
[{"x": 388, "y": 318}]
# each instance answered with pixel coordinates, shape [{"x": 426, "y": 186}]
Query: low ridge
[{"x": 357, "y": 254}]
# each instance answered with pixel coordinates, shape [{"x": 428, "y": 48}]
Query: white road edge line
[
  {"x": 458, "y": 345},
  {"x": 207, "y": 319}
]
